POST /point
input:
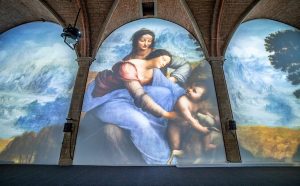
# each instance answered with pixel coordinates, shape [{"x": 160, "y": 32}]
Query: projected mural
[
  {"x": 149, "y": 100},
  {"x": 37, "y": 73},
  {"x": 263, "y": 78}
]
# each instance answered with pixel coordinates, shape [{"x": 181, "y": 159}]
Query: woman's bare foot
[{"x": 177, "y": 153}]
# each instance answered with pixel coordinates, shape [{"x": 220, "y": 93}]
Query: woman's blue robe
[{"x": 148, "y": 132}]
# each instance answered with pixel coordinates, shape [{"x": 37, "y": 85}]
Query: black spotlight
[
  {"x": 68, "y": 125},
  {"x": 231, "y": 125},
  {"x": 71, "y": 34}
]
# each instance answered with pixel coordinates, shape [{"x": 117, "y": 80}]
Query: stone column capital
[
  {"x": 84, "y": 61},
  {"x": 216, "y": 60}
]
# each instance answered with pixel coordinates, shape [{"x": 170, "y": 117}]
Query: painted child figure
[{"x": 187, "y": 107}]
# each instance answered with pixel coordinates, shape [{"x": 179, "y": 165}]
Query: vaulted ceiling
[{"x": 213, "y": 22}]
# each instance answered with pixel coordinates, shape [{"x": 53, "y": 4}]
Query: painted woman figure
[
  {"x": 136, "y": 96},
  {"x": 143, "y": 42}
]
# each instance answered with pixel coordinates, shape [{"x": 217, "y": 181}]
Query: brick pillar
[
  {"x": 229, "y": 136},
  {"x": 69, "y": 141}
]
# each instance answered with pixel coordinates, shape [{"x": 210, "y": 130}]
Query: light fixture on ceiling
[{"x": 71, "y": 34}]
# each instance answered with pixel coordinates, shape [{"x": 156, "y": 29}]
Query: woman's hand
[
  {"x": 173, "y": 79},
  {"x": 170, "y": 115}
]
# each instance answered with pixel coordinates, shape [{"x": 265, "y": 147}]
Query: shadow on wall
[
  {"x": 34, "y": 148},
  {"x": 104, "y": 144}
]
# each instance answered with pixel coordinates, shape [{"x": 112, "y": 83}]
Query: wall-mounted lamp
[
  {"x": 231, "y": 125},
  {"x": 71, "y": 34},
  {"x": 68, "y": 125}
]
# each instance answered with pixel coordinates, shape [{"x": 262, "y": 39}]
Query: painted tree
[{"x": 284, "y": 47}]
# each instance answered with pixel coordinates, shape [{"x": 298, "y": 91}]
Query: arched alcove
[
  {"x": 262, "y": 74},
  {"x": 37, "y": 74},
  {"x": 117, "y": 144}
]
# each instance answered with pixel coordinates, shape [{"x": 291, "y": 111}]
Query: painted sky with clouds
[{"x": 259, "y": 94}]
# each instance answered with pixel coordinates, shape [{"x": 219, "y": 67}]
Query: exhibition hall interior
[{"x": 149, "y": 92}]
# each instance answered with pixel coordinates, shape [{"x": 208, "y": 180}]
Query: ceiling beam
[
  {"x": 84, "y": 46},
  {"x": 55, "y": 14}
]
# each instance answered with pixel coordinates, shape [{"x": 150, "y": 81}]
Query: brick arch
[
  {"x": 217, "y": 21},
  {"x": 286, "y": 12},
  {"x": 18, "y": 13},
  {"x": 123, "y": 12},
  {"x": 28, "y": 22},
  {"x": 280, "y": 10}
]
